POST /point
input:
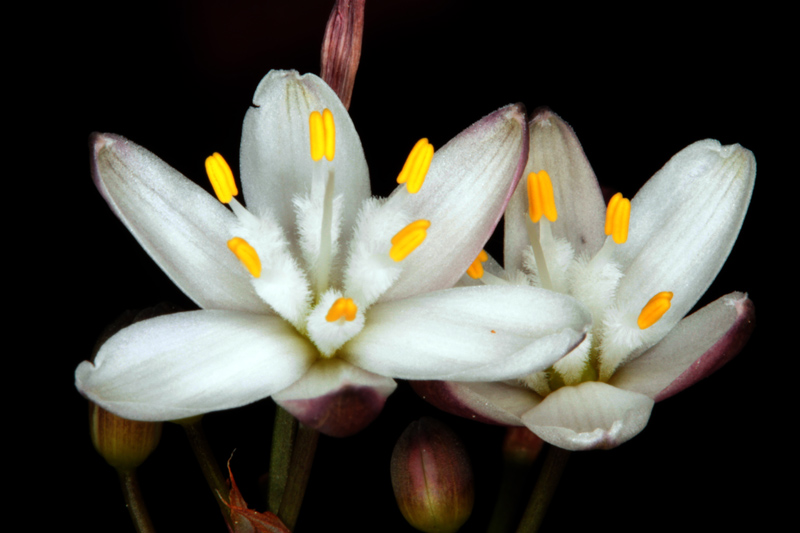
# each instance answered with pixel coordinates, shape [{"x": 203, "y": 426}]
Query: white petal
[
  {"x": 579, "y": 201},
  {"x": 181, "y": 365},
  {"x": 696, "y": 347},
  {"x": 486, "y": 333},
  {"x": 468, "y": 185},
  {"x": 589, "y": 416},
  {"x": 684, "y": 222},
  {"x": 275, "y": 157},
  {"x": 183, "y": 228}
]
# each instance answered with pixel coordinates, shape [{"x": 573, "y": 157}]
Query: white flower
[
  {"x": 312, "y": 294},
  {"x": 638, "y": 282}
]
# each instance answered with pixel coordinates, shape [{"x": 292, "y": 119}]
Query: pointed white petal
[
  {"x": 185, "y": 364},
  {"x": 489, "y": 402},
  {"x": 486, "y": 333},
  {"x": 699, "y": 345},
  {"x": 183, "y": 228},
  {"x": 335, "y": 397},
  {"x": 684, "y": 222},
  {"x": 468, "y": 185},
  {"x": 579, "y": 201},
  {"x": 275, "y": 155},
  {"x": 589, "y": 416}
]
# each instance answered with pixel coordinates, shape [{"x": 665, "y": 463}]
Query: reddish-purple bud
[
  {"x": 521, "y": 445},
  {"x": 341, "y": 48},
  {"x": 432, "y": 477}
]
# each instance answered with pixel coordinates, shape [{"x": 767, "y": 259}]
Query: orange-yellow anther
[
  {"x": 322, "y": 131},
  {"x": 475, "y": 270},
  {"x": 343, "y": 307},
  {"x": 407, "y": 239},
  {"x": 540, "y": 197},
  {"x": 416, "y": 166},
  {"x": 221, "y": 178},
  {"x": 247, "y": 255},
  {"x": 654, "y": 309},
  {"x": 618, "y": 216}
]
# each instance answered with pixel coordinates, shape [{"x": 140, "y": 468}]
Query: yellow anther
[
  {"x": 618, "y": 217},
  {"x": 540, "y": 197},
  {"x": 323, "y": 135},
  {"x": 343, "y": 307},
  {"x": 221, "y": 178},
  {"x": 475, "y": 270},
  {"x": 246, "y": 254},
  {"x": 416, "y": 167},
  {"x": 654, "y": 309},
  {"x": 408, "y": 238}
]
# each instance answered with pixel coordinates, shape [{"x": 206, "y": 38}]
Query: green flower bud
[
  {"x": 432, "y": 477},
  {"x": 123, "y": 443}
]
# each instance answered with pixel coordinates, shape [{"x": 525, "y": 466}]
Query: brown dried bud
[{"x": 432, "y": 477}]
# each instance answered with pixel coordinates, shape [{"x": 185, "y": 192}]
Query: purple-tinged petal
[
  {"x": 468, "y": 185},
  {"x": 592, "y": 415},
  {"x": 491, "y": 403},
  {"x": 554, "y": 147},
  {"x": 336, "y": 398},
  {"x": 698, "y": 346},
  {"x": 186, "y": 364},
  {"x": 183, "y": 228}
]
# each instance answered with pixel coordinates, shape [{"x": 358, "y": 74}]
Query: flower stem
[
  {"x": 546, "y": 485},
  {"x": 305, "y": 445},
  {"x": 211, "y": 471},
  {"x": 507, "y": 506},
  {"x": 283, "y": 432},
  {"x": 134, "y": 501}
]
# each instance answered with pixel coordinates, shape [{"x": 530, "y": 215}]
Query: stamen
[
  {"x": 343, "y": 307},
  {"x": 247, "y": 255},
  {"x": 618, "y": 216},
  {"x": 322, "y": 130},
  {"x": 540, "y": 197},
  {"x": 475, "y": 270},
  {"x": 407, "y": 239},
  {"x": 416, "y": 166},
  {"x": 654, "y": 309},
  {"x": 221, "y": 178}
]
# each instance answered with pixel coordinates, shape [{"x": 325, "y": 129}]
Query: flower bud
[
  {"x": 521, "y": 446},
  {"x": 123, "y": 443},
  {"x": 432, "y": 477}
]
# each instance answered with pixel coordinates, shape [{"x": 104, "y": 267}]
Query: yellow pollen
[
  {"x": 416, "y": 167},
  {"x": 654, "y": 309},
  {"x": 221, "y": 178},
  {"x": 475, "y": 270},
  {"x": 323, "y": 135},
  {"x": 618, "y": 217},
  {"x": 343, "y": 307},
  {"x": 408, "y": 238},
  {"x": 540, "y": 197},
  {"x": 246, "y": 254}
]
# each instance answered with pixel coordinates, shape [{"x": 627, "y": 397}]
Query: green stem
[
  {"x": 134, "y": 501},
  {"x": 506, "y": 508},
  {"x": 546, "y": 485},
  {"x": 209, "y": 466},
  {"x": 299, "y": 472},
  {"x": 282, "y": 441}
]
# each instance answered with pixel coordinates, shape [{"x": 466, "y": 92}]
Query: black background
[{"x": 177, "y": 78}]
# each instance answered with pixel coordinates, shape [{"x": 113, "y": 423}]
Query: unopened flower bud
[
  {"x": 123, "y": 443},
  {"x": 432, "y": 477},
  {"x": 521, "y": 445}
]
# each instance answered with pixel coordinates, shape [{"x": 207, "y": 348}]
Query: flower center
[{"x": 321, "y": 298}]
